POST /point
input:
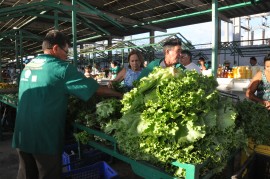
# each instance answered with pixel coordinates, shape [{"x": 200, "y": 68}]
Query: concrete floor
[
  {"x": 9, "y": 161},
  {"x": 8, "y": 158}
]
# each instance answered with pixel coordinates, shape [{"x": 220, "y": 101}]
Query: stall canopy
[{"x": 25, "y": 22}]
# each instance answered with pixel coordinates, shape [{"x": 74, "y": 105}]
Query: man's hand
[
  {"x": 267, "y": 104},
  {"x": 108, "y": 92}
]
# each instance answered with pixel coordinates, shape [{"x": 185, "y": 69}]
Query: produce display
[
  {"x": 254, "y": 118},
  {"x": 171, "y": 115},
  {"x": 6, "y": 88},
  {"x": 174, "y": 115},
  {"x": 10, "y": 99},
  {"x": 7, "y": 85}
]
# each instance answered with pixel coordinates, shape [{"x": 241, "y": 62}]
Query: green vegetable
[
  {"x": 255, "y": 120},
  {"x": 107, "y": 111},
  {"x": 118, "y": 86},
  {"x": 177, "y": 115}
]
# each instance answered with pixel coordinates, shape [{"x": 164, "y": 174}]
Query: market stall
[
  {"x": 174, "y": 124},
  {"x": 234, "y": 86},
  {"x": 8, "y": 103}
]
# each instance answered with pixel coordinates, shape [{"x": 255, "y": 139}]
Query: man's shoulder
[
  {"x": 179, "y": 65},
  {"x": 155, "y": 62}
]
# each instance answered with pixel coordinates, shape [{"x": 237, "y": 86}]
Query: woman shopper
[
  {"x": 260, "y": 83},
  {"x": 130, "y": 74}
]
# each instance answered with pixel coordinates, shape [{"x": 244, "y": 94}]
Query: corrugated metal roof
[{"x": 103, "y": 19}]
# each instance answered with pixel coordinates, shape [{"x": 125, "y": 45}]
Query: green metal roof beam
[
  {"x": 36, "y": 5},
  {"x": 35, "y": 14},
  {"x": 10, "y": 16},
  {"x": 89, "y": 38},
  {"x": 30, "y": 35},
  {"x": 131, "y": 47},
  {"x": 196, "y": 13},
  {"x": 87, "y": 9},
  {"x": 100, "y": 14},
  {"x": 21, "y": 8},
  {"x": 11, "y": 33},
  {"x": 171, "y": 34},
  {"x": 6, "y": 47},
  {"x": 90, "y": 24}
]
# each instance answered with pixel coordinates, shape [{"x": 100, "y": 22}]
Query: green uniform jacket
[
  {"x": 150, "y": 67},
  {"x": 45, "y": 85}
]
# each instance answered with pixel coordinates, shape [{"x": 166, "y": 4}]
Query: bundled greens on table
[
  {"x": 96, "y": 113},
  {"x": 254, "y": 118},
  {"x": 175, "y": 115}
]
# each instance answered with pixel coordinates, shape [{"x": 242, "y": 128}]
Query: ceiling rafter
[
  {"x": 200, "y": 6},
  {"x": 136, "y": 16}
]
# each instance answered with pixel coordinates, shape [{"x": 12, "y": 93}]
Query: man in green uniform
[
  {"x": 172, "y": 51},
  {"x": 45, "y": 84},
  {"x": 115, "y": 69}
]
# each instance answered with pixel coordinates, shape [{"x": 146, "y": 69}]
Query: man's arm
[
  {"x": 149, "y": 68},
  {"x": 108, "y": 92}
]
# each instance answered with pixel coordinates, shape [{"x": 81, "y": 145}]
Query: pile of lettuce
[
  {"x": 176, "y": 115},
  {"x": 254, "y": 118},
  {"x": 95, "y": 113}
]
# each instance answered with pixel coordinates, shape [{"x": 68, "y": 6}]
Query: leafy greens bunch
[
  {"x": 107, "y": 111},
  {"x": 175, "y": 115},
  {"x": 255, "y": 120}
]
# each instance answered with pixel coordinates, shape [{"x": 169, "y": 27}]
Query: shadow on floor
[{"x": 8, "y": 157}]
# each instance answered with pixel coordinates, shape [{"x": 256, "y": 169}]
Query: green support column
[
  {"x": 0, "y": 69},
  {"x": 81, "y": 59},
  {"x": 214, "y": 36},
  {"x": 123, "y": 53},
  {"x": 21, "y": 51},
  {"x": 16, "y": 52},
  {"x": 94, "y": 58},
  {"x": 110, "y": 52},
  {"x": 152, "y": 41},
  {"x": 56, "y": 18},
  {"x": 74, "y": 32}
]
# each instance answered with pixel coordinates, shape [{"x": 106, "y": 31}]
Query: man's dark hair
[
  {"x": 55, "y": 37},
  {"x": 253, "y": 58},
  {"x": 114, "y": 62},
  {"x": 266, "y": 58},
  {"x": 188, "y": 53},
  {"x": 172, "y": 42},
  {"x": 202, "y": 59}
]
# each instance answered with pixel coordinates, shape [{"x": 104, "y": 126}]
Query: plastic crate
[
  {"x": 99, "y": 170},
  {"x": 257, "y": 166},
  {"x": 262, "y": 149},
  {"x": 71, "y": 159}
]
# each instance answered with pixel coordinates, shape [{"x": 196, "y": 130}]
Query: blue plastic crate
[
  {"x": 99, "y": 170},
  {"x": 71, "y": 159}
]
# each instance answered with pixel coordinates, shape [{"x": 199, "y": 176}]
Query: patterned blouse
[
  {"x": 263, "y": 91},
  {"x": 130, "y": 77}
]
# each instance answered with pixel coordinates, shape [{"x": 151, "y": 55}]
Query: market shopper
[
  {"x": 260, "y": 83},
  {"x": 132, "y": 72},
  {"x": 95, "y": 70},
  {"x": 172, "y": 50},
  {"x": 186, "y": 60},
  {"x": 45, "y": 85},
  {"x": 253, "y": 61},
  {"x": 202, "y": 64},
  {"x": 88, "y": 71},
  {"x": 114, "y": 70}
]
